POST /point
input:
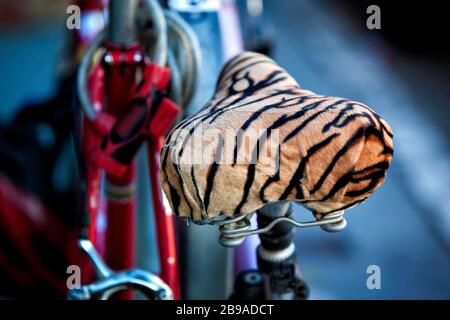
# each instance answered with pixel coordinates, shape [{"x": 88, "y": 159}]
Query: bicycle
[{"x": 120, "y": 114}]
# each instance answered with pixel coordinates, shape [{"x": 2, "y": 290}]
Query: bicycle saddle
[{"x": 262, "y": 138}]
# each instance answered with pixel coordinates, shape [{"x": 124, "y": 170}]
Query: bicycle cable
[{"x": 170, "y": 42}]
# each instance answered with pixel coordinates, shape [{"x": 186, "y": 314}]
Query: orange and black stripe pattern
[{"x": 262, "y": 138}]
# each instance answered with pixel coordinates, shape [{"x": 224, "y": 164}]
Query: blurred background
[{"x": 401, "y": 70}]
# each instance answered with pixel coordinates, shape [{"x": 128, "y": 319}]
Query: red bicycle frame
[{"x": 112, "y": 83}]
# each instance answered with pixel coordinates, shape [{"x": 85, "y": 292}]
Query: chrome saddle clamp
[{"x": 234, "y": 230}]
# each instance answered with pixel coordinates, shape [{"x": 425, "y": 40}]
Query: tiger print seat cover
[{"x": 262, "y": 138}]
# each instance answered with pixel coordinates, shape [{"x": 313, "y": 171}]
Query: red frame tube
[
  {"x": 112, "y": 83},
  {"x": 164, "y": 222},
  {"x": 95, "y": 202},
  {"x": 110, "y": 86},
  {"x": 120, "y": 79}
]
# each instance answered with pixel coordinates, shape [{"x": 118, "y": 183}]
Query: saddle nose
[{"x": 262, "y": 138}]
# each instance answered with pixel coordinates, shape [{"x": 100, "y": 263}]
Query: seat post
[
  {"x": 121, "y": 26},
  {"x": 276, "y": 254}
]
